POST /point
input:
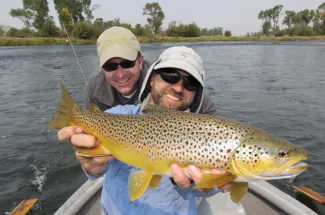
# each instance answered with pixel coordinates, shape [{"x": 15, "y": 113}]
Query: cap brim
[
  {"x": 178, "y": 64},
  {"x": 118, "y": 51}
]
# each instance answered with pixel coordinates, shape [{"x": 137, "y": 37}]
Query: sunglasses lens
[
  {"x": 191, "y": 84},
  {"x": 170, "y": 77},
  {"x": 127, "y": 64},
  {"x": 173, "y": 77},
  {"x": 110, "y": 66}
]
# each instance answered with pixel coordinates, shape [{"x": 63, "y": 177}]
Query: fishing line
[{"x": 83, "y": 74}]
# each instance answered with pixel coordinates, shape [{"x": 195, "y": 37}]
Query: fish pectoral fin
[
  {"x": 238, "y": 190},
  {"x": 214, "y": 180},
  {"x": 93, "y": 152},
  {"x": 94, "y": 108},
  {"x": 155, "y": 181},
  {"x": 138, "y": 183}
]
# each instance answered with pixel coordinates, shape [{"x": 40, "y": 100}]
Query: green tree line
[
  {"x": 302, "y": 23},
  {"x": 76, "y": 16}
]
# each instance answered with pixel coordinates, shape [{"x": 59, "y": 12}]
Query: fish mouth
[
  {"x": 299, "y": 164},
  {"x": 291, "y": 171}
]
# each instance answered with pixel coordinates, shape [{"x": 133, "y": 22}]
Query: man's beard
[{"x": 158, "y": 99}]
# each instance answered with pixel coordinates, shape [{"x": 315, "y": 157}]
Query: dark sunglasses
[
  {"x": 126, "y": 64},
  {"x": 172, "y": 76}
]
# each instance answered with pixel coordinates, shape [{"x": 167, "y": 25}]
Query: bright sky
[{"x": 236, "y": 15}]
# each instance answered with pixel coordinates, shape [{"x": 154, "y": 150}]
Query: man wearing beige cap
[
  {"x": 175, "y": 80},
  {"x": 123, "y": 70}
]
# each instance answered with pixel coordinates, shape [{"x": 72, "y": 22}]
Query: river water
[{"x": 279, "y": 88}]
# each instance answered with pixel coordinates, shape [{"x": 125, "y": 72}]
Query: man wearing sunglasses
[
  {"x": 123, "y": 70},
  {"x": 175, "y": 80}
]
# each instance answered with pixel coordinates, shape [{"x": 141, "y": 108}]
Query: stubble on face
[{"x": 168, "y": 97}]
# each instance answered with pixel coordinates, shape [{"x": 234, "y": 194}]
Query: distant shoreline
[{"x": 10, "y": 41}]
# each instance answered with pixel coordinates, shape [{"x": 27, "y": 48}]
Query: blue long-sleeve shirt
[{"x": 165, "y": 199}]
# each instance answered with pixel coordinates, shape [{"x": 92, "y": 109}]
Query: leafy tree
[
  {"x": 192, "y": 30},
  {"x": 172, "y": 30},
  {"x": 88, "y": 11},
  {"x": 271, "y": 15},
  {"x": 139, "y": 30},
  {"x": 275, "y": 14},
  {"x": 49, "y": 29},
  {"x": 301, "y": 30},
  {"x": 155, "y": 16},
  {"x": 322, "y": 7},
  {"x": 304, "y": 17},
  {"x": 265, "y": 15},
  {"x": 319, "y": 20},
  {"x": 99, "y": 22},
  {"x": 289, "y": 18},
  {"x": 34, "y": 13},
  {"x": 40, "y": 10},
  {"x": 181, "y": 30},
  {"x": 228, "y": 33},
  {"x": 83, "y": 30},
  {"x": 266, "y": 27},
  {"x": 2, "y": 31},
  {"x": 66, "y": 19},
  {"x": 24, "y": 15},
  {"x": 24, "y": 32},
  {"x": 280, "y": 33},
  {"x": 212, "y": 31},
  {"x": 111, "y": 23},
  {"x": 116, "y": 22},
  {"x": 75, "y": 8}
]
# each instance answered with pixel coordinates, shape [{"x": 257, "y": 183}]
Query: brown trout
[{"x": 160, "y": 137}]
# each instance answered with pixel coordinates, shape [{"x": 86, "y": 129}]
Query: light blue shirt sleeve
[{"x": 124, "y": 109}]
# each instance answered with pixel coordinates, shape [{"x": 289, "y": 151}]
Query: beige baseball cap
[{"x": 117, "y": 42}]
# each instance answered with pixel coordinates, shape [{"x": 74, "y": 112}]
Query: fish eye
[{"x": 282, "y": 153}]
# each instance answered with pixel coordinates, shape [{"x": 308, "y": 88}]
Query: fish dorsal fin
[
  {"x": 94, "y": 108},
  {"x": 238, "y": 190},
  {"x": 138, "y": 183},
  {"x": 152, "y": 109}
]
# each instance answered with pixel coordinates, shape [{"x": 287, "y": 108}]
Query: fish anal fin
[
  {"x": 155, "y": 181},
  {"x": 93, "y": 152},
  {"x": 214, "y": 180},
  {"x": 138, "y": 183},
  {"x": 94, "y": 108},
  {"x": 238, "y": 190}
]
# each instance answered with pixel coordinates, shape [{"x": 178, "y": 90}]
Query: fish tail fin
[{"x": 63, "y": 116}]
